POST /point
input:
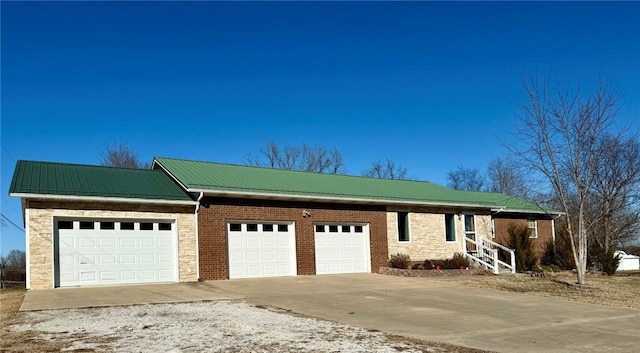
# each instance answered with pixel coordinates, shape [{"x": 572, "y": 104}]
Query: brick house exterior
[
  {"x": 217, "y": 212},
  {"x": 544, "y": 225},
  {"x": 189, "y": 220}
]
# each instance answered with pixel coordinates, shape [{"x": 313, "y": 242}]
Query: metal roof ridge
[{"x": 301, "y": 171}]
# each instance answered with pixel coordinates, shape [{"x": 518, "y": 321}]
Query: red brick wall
[
  {"x": 212, "y": 229},
  {"x": 545, "y": 234}
]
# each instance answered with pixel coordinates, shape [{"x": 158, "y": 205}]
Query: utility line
[
  {"x": 11, "y": 222},
  {"x": 7, "y": 203},
  {"x": 7, "y": 151}
]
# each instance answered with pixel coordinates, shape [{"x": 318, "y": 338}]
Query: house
[{"x": 187, "y": 220}]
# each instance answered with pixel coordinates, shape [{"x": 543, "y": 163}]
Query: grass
[{"x": 619, "y": 290}]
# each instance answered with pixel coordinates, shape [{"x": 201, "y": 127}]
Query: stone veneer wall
[
  {"x": 40, "y": 215},
  {"x": 427, "y": 234}
]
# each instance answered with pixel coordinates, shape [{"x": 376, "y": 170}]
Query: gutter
[
  {"x": 198, "y": 238},
  {"x": 329, "y": 198}
]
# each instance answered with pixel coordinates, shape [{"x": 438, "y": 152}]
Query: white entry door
[
  {"x": 260, "y": 249},
  {"x": 104, "y": 252},
  {"x": 342, "y": 248}
]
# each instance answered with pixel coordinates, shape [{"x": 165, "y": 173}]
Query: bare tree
[
  {"x": 505, "y": 177},
  {"x": 122, "y": 156},
  {"x": 468, "y": 179},
  {"x": 304, "y": 158},
  {"x": 15, "y": 258},
  {"x": 560, "y": 132},
  {"x": 386, "y": 169},
  {"x": 616, "y": 180}
]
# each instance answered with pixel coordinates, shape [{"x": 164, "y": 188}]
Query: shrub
[
  {"x": 427, "y": 265},
  {"x": 399, "y": 260},
  {"x": 519, "y": 240},
  {"x": 559, "y": 253},
  {"x": 457, "y": 261},
  {"x": 601, "y": 259},
  {"x": 551, "y": 268}
]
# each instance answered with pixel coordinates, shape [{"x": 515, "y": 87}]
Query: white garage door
[
  {"x": 342, "y": 249},
  {"x": 261, "y": 250},
  {"x": 100, "y": 252}
]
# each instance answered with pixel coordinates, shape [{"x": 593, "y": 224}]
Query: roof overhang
[
  {"x": 104, "y": 199},
  {"x": 514, "y": 210},
  {"x": 332, "y": 198}
]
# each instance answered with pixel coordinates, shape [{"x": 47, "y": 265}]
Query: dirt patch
[
  {"x": 223, "y": 326},
  {"x": 23, "y": 341},
  {"x": 620, "y": 290}
]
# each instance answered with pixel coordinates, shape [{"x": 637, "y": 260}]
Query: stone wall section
[
  {"x": 40, "y": 223},
  {"x": 427, "y": 238}
]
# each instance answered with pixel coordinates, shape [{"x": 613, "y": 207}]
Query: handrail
[
  {"x": 487, "y": 254},
  {"x": 493, "y": 243}
]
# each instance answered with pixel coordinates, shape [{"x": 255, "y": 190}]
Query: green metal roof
[
  {"x": 219, "y": 178},
  {"x": 59, "y": 179}
]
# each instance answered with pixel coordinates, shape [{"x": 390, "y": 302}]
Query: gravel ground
[{"x": 222, "y": 326}]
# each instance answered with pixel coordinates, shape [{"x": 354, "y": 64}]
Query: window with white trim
[
  {"x": 449, "y": 227},
  {"x": 403, "y": 226},
  {"x": 532, "y": 224}
]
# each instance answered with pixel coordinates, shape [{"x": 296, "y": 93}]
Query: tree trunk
[{"x": 581, "y": 254}]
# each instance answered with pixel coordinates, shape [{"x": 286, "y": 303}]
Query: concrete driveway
[
  {"x": 425, "y": 308},
  {"x": 444, "y": 311}
]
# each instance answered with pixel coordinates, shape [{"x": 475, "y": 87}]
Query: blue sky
[{"x": 429, "y": 85}]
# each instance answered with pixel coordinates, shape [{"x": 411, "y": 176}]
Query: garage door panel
[
  {"x": 113, "y": 256},
  {"x": 345, "y": 251},
  {"x": 260, "y": 253}
]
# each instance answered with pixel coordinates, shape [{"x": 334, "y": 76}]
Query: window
[
  {"x": 65, "y": 224},
  {"x": 146, "y": 226},
  {"x": 532, "y": 224},
  {"x": 470, "y": 226},
  {"x": 164, "y": 226},
  {"x": 403, "y": 226},
  {"x": 235, "y": 227},
  {"x": 346, "y": 229},
  {"x": 357, "y": 229},
  {"x": 126, "y": 226},
  {"x": 333, "y": 229},
  {"x": 283, "y": 227},
  {"x": 86, "y": 225},
  {"x": 252, "y": 227},
  {"x": 320, "y": 228},
  {"x": 450, "y": 227},
  {"x": 267, "y": 227},
  {"x": 107, "y": 225}
]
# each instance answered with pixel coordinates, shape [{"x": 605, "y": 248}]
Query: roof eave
[
  {"x": 103, "y": 199},
  {"x": 277, "y": 196}
]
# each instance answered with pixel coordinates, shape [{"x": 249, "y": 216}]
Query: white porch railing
[{"x": 485, "y": 252}]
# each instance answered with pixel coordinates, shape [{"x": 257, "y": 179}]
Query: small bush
[
  {"x": 550, "y": 268},
  {"x": 427, "y": 265},
  {"x": 457, "y": 261},
  {"x": 399, "y": 260}
]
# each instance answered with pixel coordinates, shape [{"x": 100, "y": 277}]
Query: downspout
[
  {"x": 553, "y": 227},
  {"x": 198, "y": 238},
  {"x": 493, "y": 223}
]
